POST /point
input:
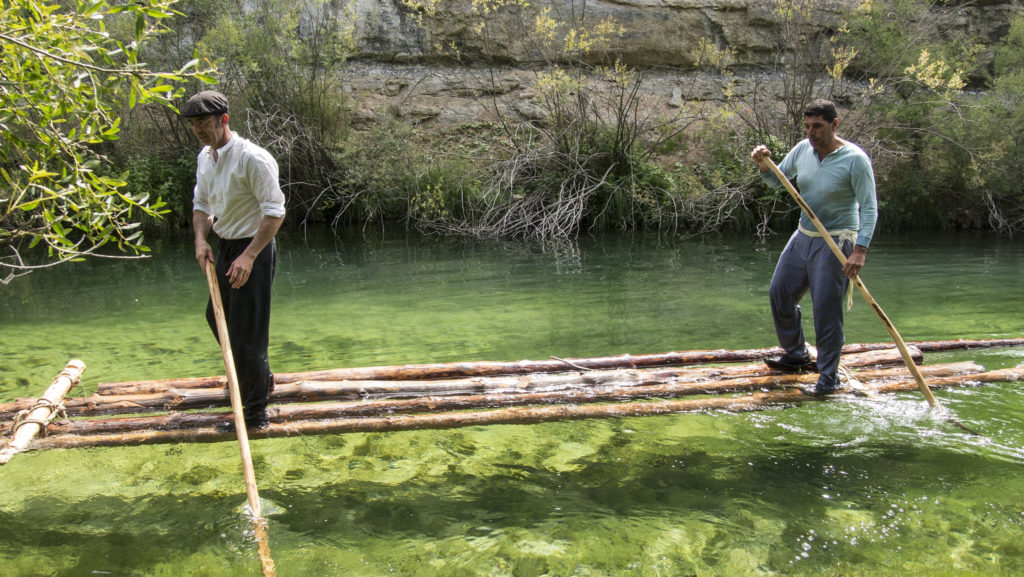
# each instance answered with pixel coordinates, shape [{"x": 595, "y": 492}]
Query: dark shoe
[
  {"x": 257, "y": 420},
  {"x": 820, "y": 390},
  {"x": 824, "y": 386},
  {"x": 257, "y": 423},
  {"x": 790, "y": 365},
  {"x": 227, "y": 426}
]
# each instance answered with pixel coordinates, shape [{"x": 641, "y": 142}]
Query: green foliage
[
  {"x": 900, "y": 68},
  {"x": 376, "y": 176},
  {"x": 171, "y": 179},
  {"x": 719, "y": 188},
  {"x": 1009, "y": 55},
  {"x": 996, "y": 132},
  {"x": 67, "y": 67},
  {"x": 586, "y": 161},
  {"x": 281, "y": 63},
  {"x": 391, "y": 173},
  {"x": 932, "y": 148}
]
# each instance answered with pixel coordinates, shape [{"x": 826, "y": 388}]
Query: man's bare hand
[
  {"x": 760, "y": 155},
  {"x": 238, "y": 272},
  {"x": 204, "y": 254},
  {"x": 855, "y": 262}
]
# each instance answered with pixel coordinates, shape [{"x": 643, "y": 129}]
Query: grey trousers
[
  {"x": 807, "y": 263},
  {"x": 247, "y": 311}
]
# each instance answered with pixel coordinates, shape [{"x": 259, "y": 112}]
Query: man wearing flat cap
[{"x": 238, "y": 197}]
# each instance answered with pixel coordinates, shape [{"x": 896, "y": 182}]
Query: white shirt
[{"x": 238, "y": 189}]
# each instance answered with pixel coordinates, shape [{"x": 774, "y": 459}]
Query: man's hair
[{"x": 823, "y": 108}]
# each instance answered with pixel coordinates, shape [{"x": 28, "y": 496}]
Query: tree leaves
[{"x": 68, "y": 68}]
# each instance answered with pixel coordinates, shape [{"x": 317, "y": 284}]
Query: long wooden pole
[
  {"x": 891, "y": 328},
  {"x": 259, "y": 524}
]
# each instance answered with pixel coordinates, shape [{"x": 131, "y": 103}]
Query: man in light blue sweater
[{"x": 836, "y": 180}]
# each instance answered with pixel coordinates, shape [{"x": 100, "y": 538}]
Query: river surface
[{"x": 853, "y": 487}]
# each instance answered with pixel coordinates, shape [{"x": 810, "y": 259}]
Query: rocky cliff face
[{"x": 404, "y": 65}]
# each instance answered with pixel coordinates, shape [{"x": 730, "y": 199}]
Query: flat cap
[{"x": 205, "y": 103}]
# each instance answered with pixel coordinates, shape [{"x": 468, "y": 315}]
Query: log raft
[
  {"x": 432, "y": 371},
  {"x": 449, "y": 395}
]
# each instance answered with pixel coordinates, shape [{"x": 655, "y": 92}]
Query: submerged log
[
  {"x": 491, "y": 368},
  {"x": 319, "y": 411},
  {"x": 183, "y": 399},
  {"x": 514, "y": 415},
  {"x": 36, "y": 418}
]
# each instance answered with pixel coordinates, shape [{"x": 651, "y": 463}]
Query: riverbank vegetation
[{"x": 940, "y": 113}]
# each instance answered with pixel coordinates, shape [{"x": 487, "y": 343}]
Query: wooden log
[
  {"x": 39, "y": 415},
  {"x": 996, "y": 376},
  {"x": 492, "y": 368},
  {"x": 513, "y": 415},
  {"x": 431, "y": 371},
  {"x": 962, "y": 344},
  {"x": 291, "y": 413},
  {"x": 183, "y": 399}
]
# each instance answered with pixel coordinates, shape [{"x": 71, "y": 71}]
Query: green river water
[{"x": 854, "y": 487}]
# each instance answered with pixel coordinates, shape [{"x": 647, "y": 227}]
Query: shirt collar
[{"x": 224, "y": 149}]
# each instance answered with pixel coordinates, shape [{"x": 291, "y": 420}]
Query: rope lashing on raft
[{"x": 21, "y": 418}]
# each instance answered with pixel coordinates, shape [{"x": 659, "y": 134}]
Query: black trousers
[{"x": 247, "y": 311}]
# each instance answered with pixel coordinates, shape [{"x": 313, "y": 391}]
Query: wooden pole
[
  {"x": 891, "y": 328},
  {"x": 259, "y": 524},
  {"x": 43, "y": 409}
]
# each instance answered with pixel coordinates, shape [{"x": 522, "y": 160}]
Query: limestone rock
[{"x": 405, "y": 65}]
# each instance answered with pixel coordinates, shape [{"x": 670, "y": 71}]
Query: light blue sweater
[{"x": 840, "y": 189}]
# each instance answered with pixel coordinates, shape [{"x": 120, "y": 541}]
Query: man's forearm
[
  {"x": 202, "y": 224},
  {"x": 269, "y": 225}
]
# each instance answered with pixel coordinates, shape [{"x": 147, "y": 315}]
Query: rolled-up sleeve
[
  {"x": 201, "y": 193},
  {"x": 266, "y": 185}
]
